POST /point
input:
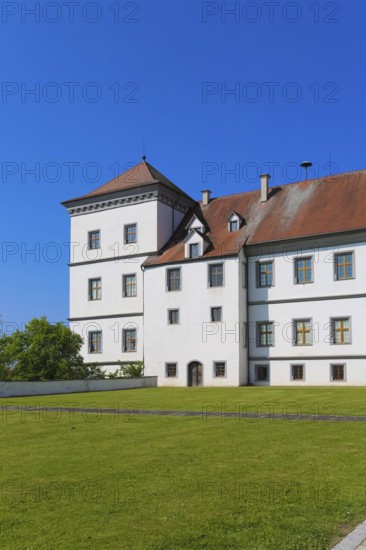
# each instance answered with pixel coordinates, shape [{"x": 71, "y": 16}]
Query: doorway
[{"x": 195, "y": 374}]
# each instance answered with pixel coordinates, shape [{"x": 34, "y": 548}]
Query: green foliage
[
  {"x": 44, "y": 351},
  {"x": 128, "y": 370},
  {"x": 5, "y": 361}
]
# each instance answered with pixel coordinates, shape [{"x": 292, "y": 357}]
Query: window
[
  {"x": 171, "y": 370},
  {"x": 297, "y": 372},
  {"x": 219, "y": 369},
  {"x": 265, "y": 334},
  {"x": 337, "y": 373},
  {"x": 194, "y": 250},
  {"x": 216, "y": 314},
  {"x": 129, "y": 286},
  {"x": 130, "y": 340},
  {"x": 131, "y": 233},
  {"x": 174, "y": 282},
  {"x": 95, "y": 341},
  {"x": 216, "y": 275},
  {"x": 303, "y": 332},
  {"x": 93, "y": 240},
  {"x": 341, "y": 331},
  {"x": 344, "y": 266},
  {"x": 233, "y": 226},
  {"x": 173, "y": 316},
  {"x": 261, "y": 373},
  {"x": 303, "y": 270},
  {"x": 265, "y": 274},
  {"x": 95, "y": 289}
]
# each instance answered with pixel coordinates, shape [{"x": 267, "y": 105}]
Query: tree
[{"x": 45, "y": 351}]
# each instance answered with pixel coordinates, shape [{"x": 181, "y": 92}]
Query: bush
[{"x": 128, "y": 370}]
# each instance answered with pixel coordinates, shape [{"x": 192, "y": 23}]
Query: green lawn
[
  {"x": 111, "y": 482},
  {"x": 323, "y": 401}
]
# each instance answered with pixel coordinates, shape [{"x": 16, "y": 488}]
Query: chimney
[
  {"x": 264, "y": 187},
  {"x": 206, "y": 197}
]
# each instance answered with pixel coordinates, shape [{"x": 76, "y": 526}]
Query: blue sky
[{"x": 217, "y": 97}]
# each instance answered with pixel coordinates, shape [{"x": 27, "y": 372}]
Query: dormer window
[
  {"x": 234, "y": 222},
  {"x": 194, "y": 250},
  {"x": 233, "y": 226}
]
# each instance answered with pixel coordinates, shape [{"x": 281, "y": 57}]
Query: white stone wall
[
  {"x": 52, "y": 387},
  {"x": 195, "y": 338},
  {"x": 320, "y": 301}
]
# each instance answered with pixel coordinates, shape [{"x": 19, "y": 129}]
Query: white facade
[{"x": 295, "y": 323}]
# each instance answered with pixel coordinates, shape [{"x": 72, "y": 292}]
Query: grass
[
  {"x": 121, "y": 482},
  {"x": 323, "y": 401}
]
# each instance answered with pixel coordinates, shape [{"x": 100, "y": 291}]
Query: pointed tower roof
[{"x": 141, "y": 175}]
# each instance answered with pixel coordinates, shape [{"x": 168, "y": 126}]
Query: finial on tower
[{"x": 144, "y": 158}]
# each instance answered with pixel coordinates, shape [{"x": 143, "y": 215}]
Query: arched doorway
[{"x": 195, "y": 374}]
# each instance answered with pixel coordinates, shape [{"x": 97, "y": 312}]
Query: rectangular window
[
  {"x": 171, "y": 370},
  {"x": 265, "y": 274},
  {"x": 219, "y": 369},
  {"x": 303, "y": 335},
  {"x": 216, "y": 314},
  {"x": 297, "y": 372},
  {"x": 233, "y": 226},
  {"x": 341, "y": 331},
  {"x": 95, "y": 341},
  {"x": 216, "y": 275},
  {"x": 174, "y": 280},
  {"x": 261, "y": 373},
  {"x": 303, "y": 270},
  {"x": 194, "y": 250},
  {"x": 131, "y": 233},
  {"x": 129, "y": 286},
  {"x": 95, "y": 289},
  {"x": 344, "y": 266},
  {"x": 173, "y": 316},
  {"x": 93, "y": 240},
  {"x": 337, "y": 373},
  {"x": 265, "y": 334},
  {"x": 130, "y": 340}
]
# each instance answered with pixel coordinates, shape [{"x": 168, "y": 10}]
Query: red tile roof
[
  {"x": 138, "y": 176},
  {"x": 314, "y": 207}
]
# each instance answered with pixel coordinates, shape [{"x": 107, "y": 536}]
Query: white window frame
[
  {"x": 125, "y": 233},
  {"x": 124, "y": 276},
  {"x": 170, "y": 363},
  {"x": 215, "y": 363},
  {"x": 169, "y": 312}
]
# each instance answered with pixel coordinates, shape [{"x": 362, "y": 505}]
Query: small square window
[
  {"x": 173, "y": 316},
  {"x": 129, "y": 286},
  {"x": 337, "y": 373},
  {"x": 216, "y": 314},
  {"x": 341, "y": 331},
  {"x": 303, "y": 270},
  {"x": 219, "y": 369},
  {"x": 131, "y": 233},
  {"x": 171, "y": 370},
  {"x": 194, "y": 250},
  {"x": 95, "y": 289},
  {"x": 344, "y": 266},
  {"x": 233, "y": 226},
  {"x": 174, "y": 279},
  {"x": 130, "y": 340},
  {"x": 261, "y": 373},
  {"x": 264, "y": 334},
  {"x": 216, "y": 275},
  {"x": 95, "y": 341},
  {"x": 297, "y": 372},
  {"x": 265, "y": 274},
  {"x": 93, "y": 240},
  {"x": 303, "y": 332}
]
